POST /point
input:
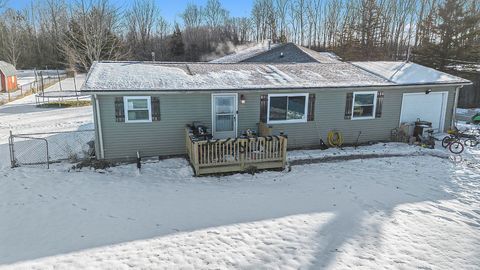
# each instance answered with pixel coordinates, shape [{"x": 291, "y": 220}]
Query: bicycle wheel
[
  {"x": 471, "y": 142},
  {"x": 446, "y": 141},
  {"x": 456, "y": 147}
]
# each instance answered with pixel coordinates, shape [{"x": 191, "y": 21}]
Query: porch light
[{"x": 242, "y": 99}]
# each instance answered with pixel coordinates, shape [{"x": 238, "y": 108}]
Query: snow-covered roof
[
  {"x": 7, "y": 69},
  {"x": 408, "y": 73},
  {"x": 152, "y": 76},
  {"x": 278, "y": 53},
  {"x": 321, "y": 57},
  {"x": 243, "y": 54}
]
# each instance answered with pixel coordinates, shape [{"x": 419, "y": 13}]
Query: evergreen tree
[
  {"x": 176, "y": 45},
  {"x": 452, "y": 23},
  {"x": 451, "y": 36}
]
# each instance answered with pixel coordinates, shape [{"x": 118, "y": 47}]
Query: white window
[
  {"x": 287, "y": 108},
  {"x": 364, "y": 105},
  {"x": 137, "y": 109}
]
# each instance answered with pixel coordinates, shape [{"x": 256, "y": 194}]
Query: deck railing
[{"x": 236, "y": 155}]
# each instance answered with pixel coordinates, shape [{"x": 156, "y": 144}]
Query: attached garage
[{"x": 429, "y": 107}]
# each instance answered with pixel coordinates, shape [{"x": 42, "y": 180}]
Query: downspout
[
  {"x": 455, "y": 105},
  {"x": 99, "y": 125}
]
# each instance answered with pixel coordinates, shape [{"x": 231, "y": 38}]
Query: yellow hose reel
[{"x": 335, "y": 138}]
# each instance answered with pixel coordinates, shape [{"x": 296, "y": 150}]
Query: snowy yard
[
  {"x": 26, "y": 78},
  {"x": 411, "y": 212}
]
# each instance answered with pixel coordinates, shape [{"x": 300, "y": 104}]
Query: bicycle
[
  {"x": 453, "y": 143},
  {"x": 471, "y": 137},
  {"x": 471, "y": 142}
]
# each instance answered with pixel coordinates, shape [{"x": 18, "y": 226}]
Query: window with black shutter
[
  {"x": 378, "y": 112},
  {"x": 349, "y": 106},
  {"x": 155, "y": 109},
  {"x": 263, "y": 108},
  {"x": 364, "y": 105},
  {"x": 119, "y": 110},
  {"x": 311, "y": 107},
  {"x": 138, "y": 109}
]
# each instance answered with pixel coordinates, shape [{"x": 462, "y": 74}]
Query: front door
[{"x": 224, "y": 116}]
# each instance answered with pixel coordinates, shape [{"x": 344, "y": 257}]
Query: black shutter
[
  {"x": 119, "y": 110},
  {"x": 155, "y": 109},
  {"x": 348, "y": 106},
  {"x": 263, "y": 108},
  {"x": 378, "y": 112},
  {"x": 311, "y": 107}
]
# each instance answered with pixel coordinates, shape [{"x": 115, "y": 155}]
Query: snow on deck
[
  {"x": 408, "y": 73},
  {"x": 207, "y": 76}
]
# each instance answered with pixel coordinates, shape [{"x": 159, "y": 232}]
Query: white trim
[
  {"x": 444, "y": 107},
  {"x": 149, "y": 107},
  {"x": 235, "y": 111},
  {"x": 99, "y": 126},
  {"x": 305, "y": 115},
  {"x": 455, "y": 105},
  {"x": 374, "y": 111},
  {"x": 384, "y": 87}
]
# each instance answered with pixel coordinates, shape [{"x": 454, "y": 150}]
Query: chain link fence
[
  {"x": 43, "y": 149},
  {"x": 36, "y": 85}
]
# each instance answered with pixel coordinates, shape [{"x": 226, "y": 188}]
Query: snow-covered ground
[
  {"x": 26, "y": 77},
  {"x": 22, "y": 116},
  {"x": 466, "y": 114},
  {"x": 413, "y": 212}
]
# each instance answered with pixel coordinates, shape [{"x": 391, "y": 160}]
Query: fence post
[
  {"x": 12, "y": 152},
  {"x": 242, "y": 155},
  {"x": 196, "y": 164},
  {"x": 284, "y": 150},
  {"x": 48, "y": 158}
]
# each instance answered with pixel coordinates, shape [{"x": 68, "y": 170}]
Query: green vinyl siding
[
  {"x": 330, "y": 112},
  {"x": 166, "y": 137}
]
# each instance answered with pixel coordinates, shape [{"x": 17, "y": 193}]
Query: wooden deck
[{"x": 236, "y": 155}]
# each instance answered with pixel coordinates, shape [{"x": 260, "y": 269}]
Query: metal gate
[
  {"x": 25, "y": 150},
  {"x": 43, "y": 149}
]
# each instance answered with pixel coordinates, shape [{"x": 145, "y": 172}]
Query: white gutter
[
  {"x": 455, "y": 105},
  {"x": 99, "y": 125},
  {"x": 261, "y": 90}
]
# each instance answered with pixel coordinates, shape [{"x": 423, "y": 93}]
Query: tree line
[{"x": 73, "y": 34}]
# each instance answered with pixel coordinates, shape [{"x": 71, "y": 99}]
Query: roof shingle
[{"x": 106, "y": 76}]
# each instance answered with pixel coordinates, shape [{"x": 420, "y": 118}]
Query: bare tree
[
  {"x": 244, "y": 29},
  {"x": 215, "y": 14},
  {"x": 281, "y": 9},
  {"x": 141, "y": 20},
  {"x": 11, "y": 35},
  {"x": 257, "y": 19},
  {"x": 91, "y": 34},
  {"x": 192, "y": 16}
]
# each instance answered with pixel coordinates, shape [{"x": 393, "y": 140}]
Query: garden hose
[{"x": 335, "y": 138}]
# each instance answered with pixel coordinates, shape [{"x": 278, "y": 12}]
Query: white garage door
[{"x": 431, "y": 108}]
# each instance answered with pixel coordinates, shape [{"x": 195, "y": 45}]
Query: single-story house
[
  {"x": 144, "y": 106},
  {"x": 8, "y": 77}
]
